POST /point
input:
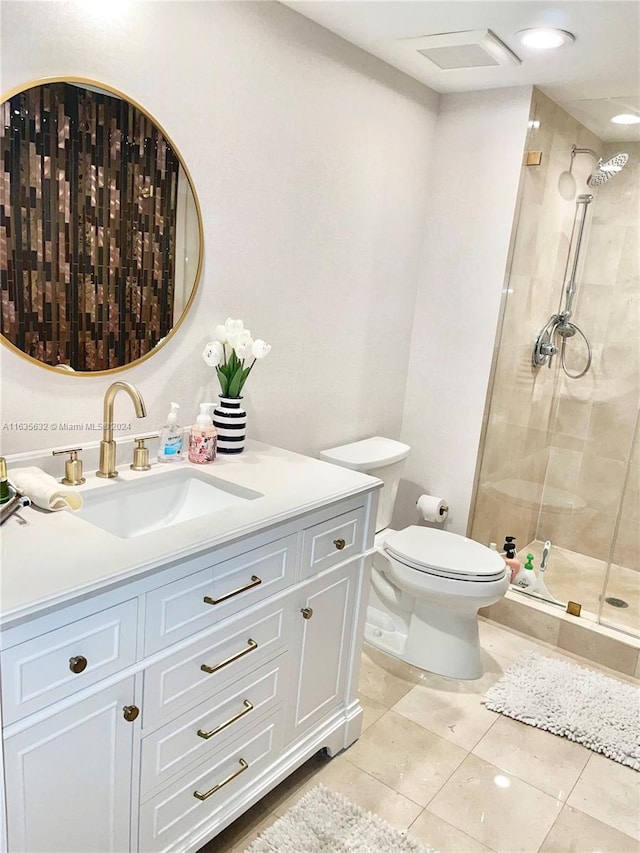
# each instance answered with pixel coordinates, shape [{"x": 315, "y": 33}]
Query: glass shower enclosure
[{"x": 560, "y": 455}]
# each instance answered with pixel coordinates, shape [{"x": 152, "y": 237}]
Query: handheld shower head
[
  {"x": 606, "y": 169},
  {"x": 566, "y": 329}
]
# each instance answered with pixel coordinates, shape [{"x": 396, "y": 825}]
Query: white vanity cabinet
[
  {"x": 324, "y": 637},
  {"x": 68, "y": 777},
  {"x": 149, "y": 715}
]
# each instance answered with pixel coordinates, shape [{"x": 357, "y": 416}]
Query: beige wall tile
[
  {"x": 626, "y": 551},
  {"x": 601, "y": 482},
  {"x": 565, "y": 469},
  {"x": 624, "y": 315},
  {"x": 591, "y": 310},
  {"x": 573, "y": 416},
  {"x": 519, "y": 616},
  {"x": 629, "y": 266},
  {"x": 580, "y": 639},
  {"x": 603, "y": 250},
  {"x": 611, "y": 427},
  {"x": 504, "y": 643}
]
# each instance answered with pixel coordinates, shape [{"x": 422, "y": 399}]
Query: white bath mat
[
  {"x": 326, "y": 822},
  {"x": 587, "y": 707}
]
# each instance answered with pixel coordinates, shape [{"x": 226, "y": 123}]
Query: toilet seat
[{"x": 449, "y": 554}]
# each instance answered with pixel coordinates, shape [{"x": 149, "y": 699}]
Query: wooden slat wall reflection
[{"x": 87, "y": 228}]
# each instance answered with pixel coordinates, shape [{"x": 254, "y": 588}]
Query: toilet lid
[{"x": 437, "y": 552}]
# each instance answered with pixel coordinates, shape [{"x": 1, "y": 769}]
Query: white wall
[
  {"x": 316, "y": 166},
  {"x": 474, "y": 175},
  {"x": 310, "y": 159}
]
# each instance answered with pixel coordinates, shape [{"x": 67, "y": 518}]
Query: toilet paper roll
[{"x": 432, "y": 508}]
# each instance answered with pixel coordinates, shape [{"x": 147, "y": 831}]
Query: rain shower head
[{"x": 605, "y": 169}]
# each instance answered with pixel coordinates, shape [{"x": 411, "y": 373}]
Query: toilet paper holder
[{"x": 432, "y": 508}]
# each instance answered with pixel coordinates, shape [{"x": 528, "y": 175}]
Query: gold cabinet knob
[
  {"x": 130, "y": 713},
  {"x": 339, "y": 543},
  {"x": 307, "y": 612},
  {"x": 78, "y": 664}
]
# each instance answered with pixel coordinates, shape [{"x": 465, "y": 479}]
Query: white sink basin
[{"x": 159, "y": 501}]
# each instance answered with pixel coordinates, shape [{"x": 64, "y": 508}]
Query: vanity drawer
[
  {"x": 58, "y": 663},
  {"x": 211, "y": 724},
  {"x": 210, "y": 663},
  {"x": 176, "y": 812},
  {"x": 196, "y": 602},
  {"x": 330, "y": 542}
]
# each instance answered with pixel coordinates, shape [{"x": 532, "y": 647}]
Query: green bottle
[
  {"x": 529, "y": 566},
  {"x": 5, "y": 491}
]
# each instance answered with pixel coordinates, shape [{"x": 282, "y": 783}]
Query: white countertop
[{"x": 57, "y": 557}]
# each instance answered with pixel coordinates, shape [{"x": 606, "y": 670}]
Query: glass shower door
[{"x": 620, "y": 603}]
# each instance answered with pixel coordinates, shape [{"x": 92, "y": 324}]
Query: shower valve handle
[{"x": 548, "y": 349}]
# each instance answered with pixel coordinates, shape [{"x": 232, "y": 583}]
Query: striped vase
[{"x": 230, "y": 421}]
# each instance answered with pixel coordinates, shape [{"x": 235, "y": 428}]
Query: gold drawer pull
[
  {"x": 247, "y": 707},
  {"x": 255, "y": 581},
  {"x": 252, "y": 645},
  {"x": 307, "y": 612},
  {"x": 78, "y": 664},
  {"x": 339, "y": 543},
  {"x": 243, "y": 766}
]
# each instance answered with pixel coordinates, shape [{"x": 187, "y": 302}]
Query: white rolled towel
[{"x": 44, "y": 490}]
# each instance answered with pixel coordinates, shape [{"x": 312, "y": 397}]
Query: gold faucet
[{"x": 107, "y": 466}]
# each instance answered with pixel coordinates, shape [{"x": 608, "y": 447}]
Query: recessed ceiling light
[
  {"x": 542, "y": 38},
  {"x": 625, "y": 118}
]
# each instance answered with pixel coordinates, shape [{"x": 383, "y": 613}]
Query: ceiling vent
[{"x": 470, "y": 49}]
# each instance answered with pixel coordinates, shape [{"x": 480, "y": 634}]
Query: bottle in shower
[{"x": 509, "y": 557}]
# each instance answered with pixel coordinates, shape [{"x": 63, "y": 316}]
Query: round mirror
[{"x": 100, "y": 229}]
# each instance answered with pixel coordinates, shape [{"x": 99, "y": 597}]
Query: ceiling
[{"x": 594, "y": 78}]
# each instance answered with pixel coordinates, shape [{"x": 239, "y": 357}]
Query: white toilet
[{"x": 426, "y": 585}]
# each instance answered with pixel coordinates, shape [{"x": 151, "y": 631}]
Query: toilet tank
[{"x": 379, "y": 457}]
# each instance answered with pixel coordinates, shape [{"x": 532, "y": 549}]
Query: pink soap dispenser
[
  {"x": 509, "y": 556},
  {"x": 203, "y": 438}
]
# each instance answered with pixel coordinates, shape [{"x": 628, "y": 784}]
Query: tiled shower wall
[{"x": 557, "y": 451}]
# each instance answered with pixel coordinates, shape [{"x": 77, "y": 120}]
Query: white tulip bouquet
[{"x": 229, "y": 354}]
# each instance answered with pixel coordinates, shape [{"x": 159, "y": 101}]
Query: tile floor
[{"x": 433, "y": 760}]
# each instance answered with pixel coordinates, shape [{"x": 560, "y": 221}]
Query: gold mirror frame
[{"x": 90, "y": 83}]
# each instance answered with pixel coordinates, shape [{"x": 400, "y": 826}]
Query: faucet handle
[
  {"x": 141, "y": 454},
  {"x": 72, "y": 468}
]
